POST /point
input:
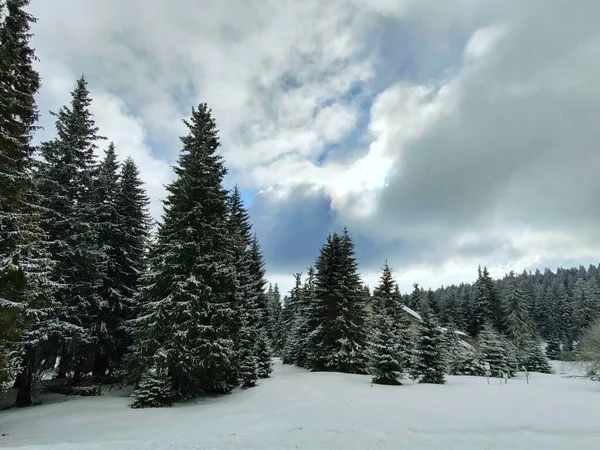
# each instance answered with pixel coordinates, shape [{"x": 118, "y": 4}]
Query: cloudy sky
[{"x": 443, "y": 133}]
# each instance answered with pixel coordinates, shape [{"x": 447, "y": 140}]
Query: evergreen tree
[
  {"x": 534, "y": 360},
  {"x": 27, "y": 310},
  {"x": 429, "y": 362},
  {"x": 414, "y": 300},
  {"x": 132, "y": 205},
  {"x": 384, "y": 300},
  {"x": 493, "y": 350},
  {"x": 112, "y": 306},
  {"x": 155, "y": 390},
  {"x": 385, "y": 364},
  {"x": 553, "y": 349},
  {"x": 291, "y": 318},
  {"x": 485, "y": 307},
  {"x": 257, "y": 286},
  {"x": 248, "y": 361},
  {"x": 339, "y": 339},
  {"x": 452, "y": 349},
  {"x": 586, "y": 303},
  {"x": 67, "y": 178},
  {"x": 275, "y": 318},
  {"x": 264, "y": 361},
  {"x": 188, "y": 298}
]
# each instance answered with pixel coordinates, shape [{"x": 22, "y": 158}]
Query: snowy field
[{"x": 300, "y": 410}]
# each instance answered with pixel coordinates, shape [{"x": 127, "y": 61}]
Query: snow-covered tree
[
  {"x": 429, "y": 363},
  {"x": 113, "y": 300},
  {"x": 263, "y": 356},
  {"x": 385, "y": 363},
  {"x": 248, "y": 361},
  {"x": 485, "y": 304},
  {"x": 275, "y": 318},
  {"x": 588, "y": 350},
  {"x": 338, "y": 342},
  {"x": 533, "y": 358},
  {"x": 188, "y": 311},
  {"x": 553, "y": 349},
  {"x": 493, "y": 350},
  {"x": 27, "y": 310},
  {"x": 155, "y": 390},
  {"x": 67, "y": 174},
  {"x": 291, "y": 319},
  {"x": 132, "y": 205}
]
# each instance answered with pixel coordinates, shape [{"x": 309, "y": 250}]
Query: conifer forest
[{"x": 94, "y": 291}]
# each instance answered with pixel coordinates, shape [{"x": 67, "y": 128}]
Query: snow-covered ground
[{"x": 300, "y": 410}]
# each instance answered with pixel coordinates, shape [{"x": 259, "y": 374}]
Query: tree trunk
[
  {"x": 24, "y": 382},
  {"x": 100, "y": 365}
]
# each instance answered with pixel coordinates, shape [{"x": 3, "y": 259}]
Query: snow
[{"x": 300, "y": 410}]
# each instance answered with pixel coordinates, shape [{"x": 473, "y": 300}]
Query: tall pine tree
[
  {"x": 189, "y": 314},
  {"x": 26, "y": 304},
  {"x": 67, "y": 175},
  {"x": 132, "y": 204},
  {"x": 338, "y": 341}
]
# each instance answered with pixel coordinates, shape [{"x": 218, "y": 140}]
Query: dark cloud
[
  {"x": 292, "y": 230},
  {"x": 517, "y": 148}
]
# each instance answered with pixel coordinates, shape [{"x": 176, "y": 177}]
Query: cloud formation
[{"x": 444, "y": 134}]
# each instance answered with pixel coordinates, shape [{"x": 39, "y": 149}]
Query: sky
[{"x": 445, "y": 134}]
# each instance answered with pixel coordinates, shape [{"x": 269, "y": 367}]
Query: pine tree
[
  {"x": 155, "y": 390},
  {"x": 586, "y": 303},
  {"x": 452, "y": 349},
  {"x": 385, "y": 364},
  {"x": 110, "y": 313},
  {"x": 291, "y": 317},
  {"x": 67, "y": 177},
  {"x": 275, "y": 318},
  {"x": 553, "y": 349},
  {"x": 428, "y": 365},
  {"x": 485, "y": 307},
  {"x": 188, "y": 298},
  {"x": 257, "y": 286},
  {"x": 414, "y": 301},
  {"x": 132, "y": 205},
  {"x": 493, "y": 350},
  {"x": 27, "y": 310},
  {"x": 338, "y": 317},
  {"x": 248, "y": 361},
  {"x": 534, "y": 360},
  {"x": 264, "y": 361}
]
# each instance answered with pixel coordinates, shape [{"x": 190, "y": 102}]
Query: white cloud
[{"x": 453, "y": 165}]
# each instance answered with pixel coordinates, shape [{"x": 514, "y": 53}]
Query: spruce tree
[
  {"x": 485, "y": 306},
  {"x": 291, "y": 319},
  {"x": 429, "y": 362},
  {"x": 132, "y": 205},
  {"x": 337, "y": 317},
  {"x": 112, "y": 307},
  {"x": 534, "y": 359},
  {"x": 385, "y": 364},
  {"x": 275, "y": 318},
  {"x": 493, "y": 350},
  {"x": 155, "y": 390},
  {"x": 27, "y": 310},
  {"x": 246, "y": 354},
  {"x": 188, "y": 298},
  {"x": 553, "y": 348},
  {"x": 67, "y": 179},
  {"x": 263, "y": 356}
]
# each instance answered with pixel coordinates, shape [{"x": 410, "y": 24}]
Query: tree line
[
  {"x": 332, "y": 322},
  {"x": 89, "y": 292}
]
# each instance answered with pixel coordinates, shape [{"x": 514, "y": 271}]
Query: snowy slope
[{"x": 300, "y": 410}]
